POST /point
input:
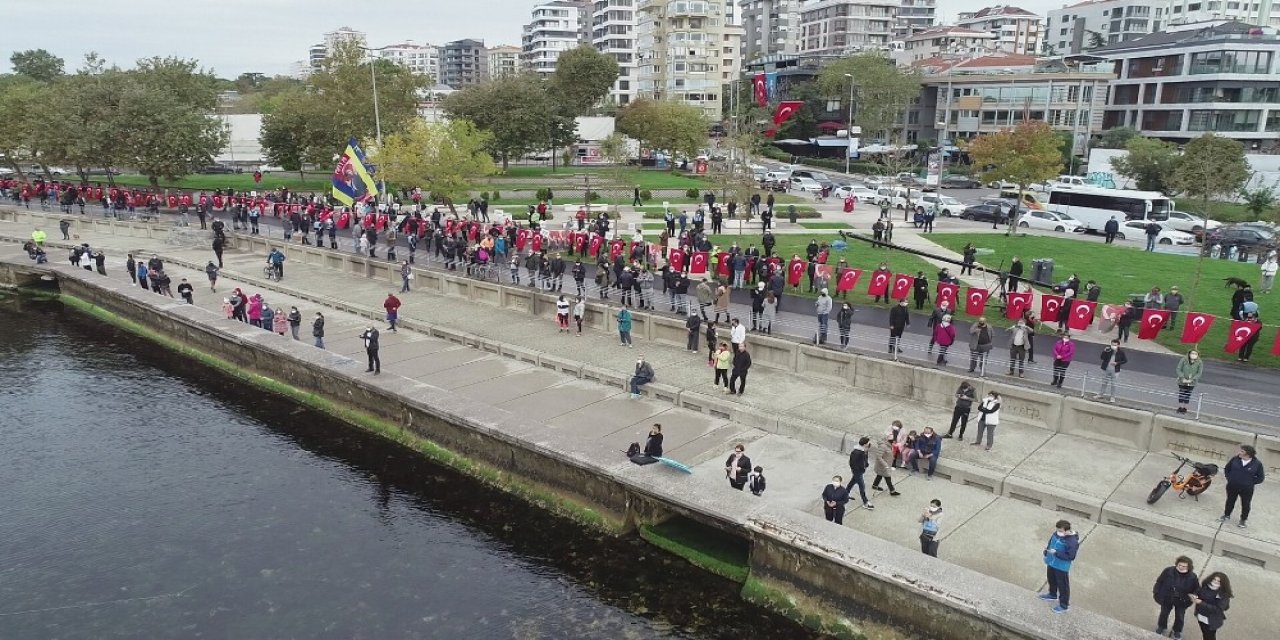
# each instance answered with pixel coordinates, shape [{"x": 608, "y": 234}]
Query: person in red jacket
[{"x": 392, "y": 305}]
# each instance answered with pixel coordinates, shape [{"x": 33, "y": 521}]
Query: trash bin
[{"x": 1042, "y": 270}]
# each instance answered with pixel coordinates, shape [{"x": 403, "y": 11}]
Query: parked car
[
  {"x": 802, "y": 184},
  {"x": 1002, "y": 185},
  {"x": 986, "y": 213},
  {"x": 1049, "y": 221},
  {"x": 947, "y": 206},
  {"x": 1167, "y": 236},
  {"x": 1243, "y": 235},
  {"x": 53, "y": 171},
  {"x": 896, "y": 197},
  {"x": 863, "y": 194},
  {"x": 817, "y": 176},
  {"x": 1191, "y": 223},
  {"x": 960, "y": 182}
]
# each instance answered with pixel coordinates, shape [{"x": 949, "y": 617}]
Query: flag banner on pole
[
  {"x": 722, "y": 264},
  {"x": 1050, "y": 307},
  {"x": 353, "y": 177},
  {"x": 676, "y": 260},
  {"x": 1017, "y": 305},
  {"x": 760, "y": 90},
  {"x": 901, "y": 286},
  {"x": 879, "y": 283},
  {"x": 785, "y": 110},
  {"x": 1241, "y": 332},
  {"x": 1081, "y": 315},
  {"x": 1152, "y": 321},
  {"x": 698, "y": 263},
  {"x": 771, "y": 85},
  {"x": 975, "y": 301},
  {"x": 1195, "y": 326},
  {"x": 947, "y": 294},
  {"x": 848, "y": 280}
]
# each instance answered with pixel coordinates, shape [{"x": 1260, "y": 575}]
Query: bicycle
[
  {"x": 1193, "y": 484},
  {"x": 271, "y": 273}
]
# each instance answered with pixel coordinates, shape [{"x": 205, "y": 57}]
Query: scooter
[{"x": 1193, "y": 484}]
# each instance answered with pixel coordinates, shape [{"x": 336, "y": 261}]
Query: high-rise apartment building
[
  {"x": 330, "y": 41},
  {"x": 504, "y": 61},
  {"x": 1102, "y": 23},
  {"x": 681, "y": 45},
  {"x": 554, "y": 27},
  {"x": 613, "y": 33},
  {"x": 1256, "y": 12},
  {"x": 770, "y": 27},
  {"x": 837, "y": 27},
  {"x": 914, "y": 15},
  {"x": 1016, "y": 30},
  {"x": 421, "y": 59},
  {"x": 463, "y": 63}
]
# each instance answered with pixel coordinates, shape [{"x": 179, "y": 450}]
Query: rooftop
[
  {"x": 1235, "y": 31},
  {"x": 937, "y": 32},
  {"x": 1001, "y": 10}
]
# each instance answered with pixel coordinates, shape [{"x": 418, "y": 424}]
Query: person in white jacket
[
  {"x": 823, "y": 307},
  {"x": 1269, "y": 269},
  {"x": 988, "y": 419}
]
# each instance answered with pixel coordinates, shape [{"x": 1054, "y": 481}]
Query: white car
[
  {"x": 1137, "y": 230},
  {"x": 800, "y": 183},
  {"x": 947, "y": 206},
  {"x": 1048, "y": 221},
  {"x": 1188, "y": 223},
  {"x": 858, "y": 191}
]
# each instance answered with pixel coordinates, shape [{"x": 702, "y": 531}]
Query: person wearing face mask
[
  {"x": 1113, "y": 357},
  {"x": 942, "y": 309},
  {"x": 1059, "y": 554},
  {"x": 1212, "y": 600},
  {"x": 738, "y": 467},
  {"x": 643, "y": 375},
  {"x": 1188, "y": 371},
  {"x": 1172, "y": 591},
  {"x": 822, "y": 306},
  {"x": 1063, "y": 351},
  {"x": 844, "y": 321},
  {"x": 944, "y": 335},
  {"x": 979, "y": 345},
  {"x": 1020, "y": 338},
  {"x": 899, "y": 320},
  {"x": 834, "y": 497},
  {"x": 988, "y": 419},
  {"x": 1243, "y": 472}
]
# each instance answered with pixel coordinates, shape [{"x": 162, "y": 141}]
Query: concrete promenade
[{"x": 999, "y": 532}]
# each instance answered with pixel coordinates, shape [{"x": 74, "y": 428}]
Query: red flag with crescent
[
  {"x": 1196, "y": 325},
  {"x": 1017, "y": 305},
  {"x": 751, "y": 268},
  {"x": 596, "y": 242},
  {"x": 1241, "y": 332},
  {"x": 901, "y": 286},
  {"x": 676, "y": 259},
  {"x": 616, "y": 248},
  {"x": 698, "y": 263},
  {"x": 785, "y": 110},
  {"x": 975, "y": 300},
  {"x": 522, "y": 238},
  {"x": 722, "y": 264},
  {"x": 879, "y": 284},
  {"x": 1081, "y": 315},
  {"x": 795, "y": 269},
  {"x": 1050, "y": 307},
  {"x": 775, "y": 263},
  {"x": 217, "y": 202},
  {"x": 848, "y": 280},
  {"x": 1152, "y": 321},
  {"x": 186, "y": 200},
  {"x": 760, "y": 90},
  {"x": 173, "y": 202},
  {"x": 536, "y": 241},
  {"x": 947, "y": 292}
]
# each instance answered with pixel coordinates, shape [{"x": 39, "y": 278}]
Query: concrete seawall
[{"x": 799, "y": 564}]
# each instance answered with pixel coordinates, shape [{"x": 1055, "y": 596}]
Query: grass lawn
[
  {"x": 826, "y": 225},
  {"x": 1121, "y": 271},
  {"x": 645, "y": 178},
  {"x": 237, "y": 181},
  {"x": 1225, "y": 212}
]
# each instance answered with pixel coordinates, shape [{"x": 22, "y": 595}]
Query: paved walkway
[{"x": 999, "y": 536}]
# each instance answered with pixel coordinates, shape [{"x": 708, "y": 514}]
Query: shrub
[
  {"x": 484, "y": 195},
  {"x": 646, "y": 195},
  {"x": 692, "y": 193},
  {"x": 496, "y": 196},
  {"x": 542, "y": 193},
  {"x": 592, "y": 196}
]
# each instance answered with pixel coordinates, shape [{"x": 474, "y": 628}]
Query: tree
[
  {"x": 881, "y": 89},
  {"x": 1212, "y": 168},
  {"x": 517, "y": 111},
  {"x": 298, "y": 133},
  {"x": 675, "y": 127},
  {"x": 166, "y": 120},
  {"x": 583, "y": 78},
  {"x": 443, "y": 158},
  {"x": 37, "y": 64},
  {"x": 1148, "y": 162},
  {"x": 1261, "y": 202},
  {"x": 1116, "y": 138},
  {"x": 1024, "y": 155}
]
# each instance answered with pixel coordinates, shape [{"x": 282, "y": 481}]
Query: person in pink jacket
[
  {"x": 944, "y": 335},
  {"x": 255, "y": 310},
  {"x": 1063, "y": 351},
  {"x": 280, "y": 323}
]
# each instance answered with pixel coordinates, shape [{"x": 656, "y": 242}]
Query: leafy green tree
[
  {"x": 1024, "y": 155},
  {"x": 518, "y": 112},
  {"x": 1116, "y": 138},
  {"x": 165, "y": 118},
  {"x": 297, "y": 133},
  {"x": 1212, "y": 168},
  {"x": 1261, "y": 202},
  {"x": 19, "y": 96},
  {"x": 674, "y": 127},
  {"x": 1149, "y": 163},
  {"x": 582, "y": 79},
  {"x": 446, "y": 159},
  {"x": 37, "y": 64},
  {"x": 882, "y": 91}
]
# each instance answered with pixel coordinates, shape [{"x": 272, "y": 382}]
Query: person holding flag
[{"x": 1113, "y": 358}]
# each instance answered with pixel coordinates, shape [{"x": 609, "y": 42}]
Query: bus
[{"x": 1094, "y": 206}]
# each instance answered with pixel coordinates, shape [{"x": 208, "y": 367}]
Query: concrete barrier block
[
  {"x": 725, "y": 408},
  {"x": 606, "y": 377},
  {"x": 1106, "y": 422},
  {"x": 816, "y": 434},
  {"x": 486, "y": 292},
  {"x": 971, "y": 475},
  {"x": 456, "y": 336},
  {"x": 937, "y": 387},
  {"x": 452, "y": 285},
  {"x": 563, "y": 365},
  {"x": 1197, "y": 439},
  {"x": 662, "y": 392},
  {"x": 332, "y": 261},
  {"x": 424, "y": 280},
  {"x": 770, "y": 352},
  {"x": 517, "y": 299},
  {"x": 1053, "y": 498},
  {"x": 668, "y": 331},
  {"x": 826, "y": 363},
  {"x": 884, "y": 376},
  {"x": 1269, "y": 454},
  {"x": 355, "y": 265},
  {"x": 1020, "y": 405},
  {"x": 1157, "y": 525},
  {"x": 520, "y": 353},
  {"x": 1259, "y": 553}
]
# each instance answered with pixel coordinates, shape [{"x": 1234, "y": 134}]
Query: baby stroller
[{"x": 1193, "y": 484}]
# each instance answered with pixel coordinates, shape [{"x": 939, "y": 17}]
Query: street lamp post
[
  {"x": 848, "y": 132},
  {"x": 942, "y": 155}
]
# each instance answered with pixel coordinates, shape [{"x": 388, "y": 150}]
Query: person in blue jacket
[
  {"x": 1059, "y": 553},
  {"x": 1243, "y": 471},
  {"x": 929, "y": 447}
]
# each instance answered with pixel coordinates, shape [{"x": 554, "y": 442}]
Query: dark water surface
[{"x": 142, "y": 496}]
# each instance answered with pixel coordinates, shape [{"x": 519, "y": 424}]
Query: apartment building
[
  {"x": 681, "y": 51},
  {"x": 836, "y": 27},
  {"x": 421, "y": 59},
  {"x": 613, "y": 33},
  {"x": 554, "y": 28},
  {"x": 914, "y": 15},
  {"x": 940, "y": 41},
  {"x": 330, "y": 41},
  {"x": 503, "y": 60},
  {"x": 1259, "y": 12},
  {"x": 463, "y": 63},
  {"x": 770, "y": 27},
  {"x": 1178, "y": 85},
  {"x": 1016, "y": 30}
]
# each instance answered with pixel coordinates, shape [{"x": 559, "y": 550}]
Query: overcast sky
[{"x": 235, "y": 36}]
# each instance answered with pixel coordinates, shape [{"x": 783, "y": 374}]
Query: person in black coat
[
  {"x": 1015, "y": 276},
  {"x": 737, "y": 467},
  {"x": 741, "y": 365},
  {"x": 834, "y": 497},
  {"x": 1172, "y": 591},
  {"x": 857, "y": 468},
  {"x": 1243, "y": 471},
  {"x": 899, "y": 318},
  {"x": 1212, "y": 601},
  {"x": 920, "y": 288},
  {"x": 653, "y": 445}
]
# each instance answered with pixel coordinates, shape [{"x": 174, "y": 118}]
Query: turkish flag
[
  {"x": 848, "y": 280},
  {"x": 596, "y": 242},
  {"x": 1275, "y": 346},
  {"x": 795, "y": 269},
  {"x": 1194, "y": 328},
  {"x": 879, "y": 284},
  {"x": 186, "y": 199},
  {"x": 616, "y": 248},
  {"x": 975, "y": 301},
  {"x": 947, "y": 292},
  {"x": 786, "y": 109},
  {"x": 676, "y": 260},
  {"x": 536, "y": 241},
  {"x": 1152, "y": 321},
  {"x": 760, "y": 90},
  {"x": 698, "y": 263},
  {"x": 1241, "y": 331},
  {"x": 1111, "y": 313},
  {"x": 173, "y": 202},
  {"x": 822, "y": 271},
  {"x": 217, "y": 202},
  {"x": 522, "y": 238},
  {"x": 722, "y": 264},
  {"x": 1081, "y": 315},
  {"x": 1017, "y": 305},
  {"x": 1050, "y": 307},
  {"x": 901, "y": 286}
]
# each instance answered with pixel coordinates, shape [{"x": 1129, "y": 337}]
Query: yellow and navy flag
[{"x": 353, "y": 177}]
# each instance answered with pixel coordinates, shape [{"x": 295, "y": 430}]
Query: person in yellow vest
[{"x": 39, "y": 236}]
